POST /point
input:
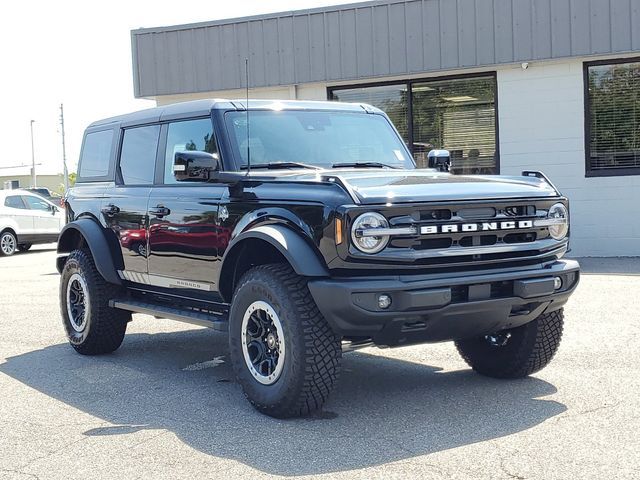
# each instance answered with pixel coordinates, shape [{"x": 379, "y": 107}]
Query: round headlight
[
  {"x": 363, "y": 238},
  {"x": 559, "y": 214}
]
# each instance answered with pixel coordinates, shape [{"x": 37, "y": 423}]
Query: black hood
[
  {"x": 379, "y": 186},
  {"x": 403, "y": 186}
]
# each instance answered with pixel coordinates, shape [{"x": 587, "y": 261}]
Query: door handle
[
  {"x": 159, "y": 211},
  {"x": 110, "y": 210}
]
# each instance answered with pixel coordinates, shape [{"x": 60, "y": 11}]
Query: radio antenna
[{"x": 246, "y": 74}]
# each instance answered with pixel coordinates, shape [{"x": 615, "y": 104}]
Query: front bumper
[{"x": 433, "y": 309}]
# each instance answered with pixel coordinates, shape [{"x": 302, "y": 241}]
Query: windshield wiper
[
  {"x": 362, "y": 164},
  {"x": 277, "y": 165}
]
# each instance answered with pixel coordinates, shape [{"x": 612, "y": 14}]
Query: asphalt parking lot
[{"x": 166, "y": 405}]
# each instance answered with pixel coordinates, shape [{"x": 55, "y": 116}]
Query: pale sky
[{"x": 79, "y": 53}]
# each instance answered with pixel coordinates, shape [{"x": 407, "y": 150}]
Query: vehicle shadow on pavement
[{"x": 383, "y": 410}]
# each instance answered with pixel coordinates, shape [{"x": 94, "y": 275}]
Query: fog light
[
  {"x": 557, "y": 283},
  {"x": 384, "y": 301}
]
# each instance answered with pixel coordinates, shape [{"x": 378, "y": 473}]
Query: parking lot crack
[
  {"x": 506, "y": 471},
  {"x": 509, "y": 474},
  {"x": 20, "y": 472},
  {"x": 598, "y": 408}
]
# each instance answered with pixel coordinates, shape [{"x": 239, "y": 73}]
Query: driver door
[{"x": 184, "y": 228}]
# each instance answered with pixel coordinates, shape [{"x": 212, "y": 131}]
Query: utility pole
[
  {"x": 33, "y": 160},
  {"x": 64, "y": 152}
]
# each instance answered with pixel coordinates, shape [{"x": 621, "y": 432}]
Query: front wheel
[
  {"x": 515, "y": 353},
  {"x": 285, "y": 355},
  {"x": 92, "y": 326}
]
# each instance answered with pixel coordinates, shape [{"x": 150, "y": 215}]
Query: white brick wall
[{"x": 541, "y": 121}]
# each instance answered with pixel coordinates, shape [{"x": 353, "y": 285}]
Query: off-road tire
[
  {"x": 23, "y": 247},
  {"x": 313, "y": 350},
  {"x": 529, "y": 349},
  {"x": 9, "y": 243},
  {"x": 105, "y": 326}
]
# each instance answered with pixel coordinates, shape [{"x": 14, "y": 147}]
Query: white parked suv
[{"x": 25, "y": 219}]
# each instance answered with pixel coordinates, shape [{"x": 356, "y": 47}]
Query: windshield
[{"x": 316, "y": 138}]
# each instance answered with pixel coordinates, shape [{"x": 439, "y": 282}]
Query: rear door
[
  {"x": 184, "y": 231},
  {"x": 124, "y": 207},
  {"x": 16, "y": 209}
]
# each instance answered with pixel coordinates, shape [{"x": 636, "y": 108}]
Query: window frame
[
  {"x": 111, "y": 168},
  {"x": 24, "y": 204},
  {"x": 588, "y": 172},
  {"x": 409, "y": 83},
  {"x": 119, "y": 180},
  {"x": 39, "y": 199},
  {"x": 162, "y": 150}
]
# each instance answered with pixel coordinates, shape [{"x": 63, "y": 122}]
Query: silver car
[{"x": 27, "y": 219}]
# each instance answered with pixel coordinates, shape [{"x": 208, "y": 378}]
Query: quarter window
[
  {"x": 187, "y": 135},
  {"x": 96, "y": 151},
  {"x": 14, "y": 201},
  {"x": 612, "y": 118},
  {"x": 138, "y": 155}
]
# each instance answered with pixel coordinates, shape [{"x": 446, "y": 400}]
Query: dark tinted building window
[
  {"x": 392, "y": 99},
  {"x": 457, "y": 114},
  {"x": 613, "y": 118},
  {"x": 138, "y": 155},
  {"x": 95, "y": 154},
  {"x": 14, "y": 201},
  {"x": 185, "y": 136}
]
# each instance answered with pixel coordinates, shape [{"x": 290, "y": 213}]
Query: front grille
[{"x": 481, "y": 235}]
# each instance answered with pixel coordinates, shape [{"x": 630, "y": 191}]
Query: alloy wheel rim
[
  {"x": 8, "y": 244},
  {"x": 263, "y": 343},
  {"x": 77, "y": 302}
]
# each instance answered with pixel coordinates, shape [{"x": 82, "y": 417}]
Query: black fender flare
[
  {"x": 292, "y": 245},
  {"x": 95, "y": 239}
]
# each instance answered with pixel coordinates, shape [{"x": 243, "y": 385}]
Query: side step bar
[{"x": 216, "y": 322}]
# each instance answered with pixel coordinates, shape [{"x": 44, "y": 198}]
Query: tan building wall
[{"x": 52, "y": 182}]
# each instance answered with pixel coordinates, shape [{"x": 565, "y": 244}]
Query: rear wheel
[
  {"x": 285, "y": 355},
  {"x": 23, "y": 247},
  {"x": 8, "y": 243},
  {"x": 92, "y": 326},
  {"x": 517, "y": 352}
]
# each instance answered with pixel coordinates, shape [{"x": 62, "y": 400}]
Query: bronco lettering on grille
[{"x": 476, "y": 227}]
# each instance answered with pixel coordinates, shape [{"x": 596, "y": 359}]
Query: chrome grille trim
[{"x": 417, "y": 239}]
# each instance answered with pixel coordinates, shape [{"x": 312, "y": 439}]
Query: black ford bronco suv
[{"x": 304, "y": 229}]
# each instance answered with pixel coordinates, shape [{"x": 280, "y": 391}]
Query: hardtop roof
[{"x": 204, "y": 107}]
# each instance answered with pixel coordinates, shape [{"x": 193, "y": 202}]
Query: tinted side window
[
  {"x": 95, "y": 154},
  {"x": 138, "y": 155},
  {"x": 35, "y": 203},
  {"x": 184, "y": 136},
  {"x": 14, "y": 201}
]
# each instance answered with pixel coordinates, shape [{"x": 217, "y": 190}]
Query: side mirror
[
  {"x": 193, "y": 165},
  {"x": 440, "y": 160}
]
